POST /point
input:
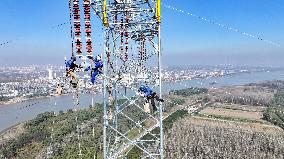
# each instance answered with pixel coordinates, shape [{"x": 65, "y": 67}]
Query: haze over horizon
[{"x": 186, "y": 40}]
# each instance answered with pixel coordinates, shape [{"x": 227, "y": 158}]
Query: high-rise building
[
  {"x": 54, "y": 75},
  {"x": 50, "y": 76}
]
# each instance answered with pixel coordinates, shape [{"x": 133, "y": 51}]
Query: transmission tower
[{"x": 131, "y": 57}]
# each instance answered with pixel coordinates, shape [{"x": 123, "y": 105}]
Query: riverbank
[
  {"x": 25, "y": 99},
  {"x": 240, "y": 110},
  {"x": 34, "y": 98},
  {"x": 21, "y": 100},
  {"x": 19, "y": 112},
  {"x": 11, "y": 132}
]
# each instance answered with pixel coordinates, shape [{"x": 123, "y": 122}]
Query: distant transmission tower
[{"x": 131, "y": 57}]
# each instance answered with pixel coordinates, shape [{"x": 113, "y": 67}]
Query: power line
[
  {"x": 222, "y": 25},
  {"x": 6, "y": 43},
  {"x": 59, "y": 25}
]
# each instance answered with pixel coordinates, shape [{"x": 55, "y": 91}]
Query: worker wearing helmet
[
  {"x": 148, "y": 93},
  {"x": 70, "y": 69},
  {"x": 70, "y": 64},
  {"x": 98, "y": 65}
]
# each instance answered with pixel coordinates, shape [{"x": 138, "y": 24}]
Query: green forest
[{"x": 275, "y": 113}]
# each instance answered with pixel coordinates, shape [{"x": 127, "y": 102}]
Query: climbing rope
[
  {"x": 71, "y": 27},
  {"x": 76, "y": 105},
  {"x": 50, "y": 148},
  {"x": 52, "y": 126}
]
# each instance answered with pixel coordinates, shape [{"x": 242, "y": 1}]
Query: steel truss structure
[{"x": 131, "y": 57}]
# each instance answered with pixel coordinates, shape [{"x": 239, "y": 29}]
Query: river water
[{"x": 15, "y": 113}]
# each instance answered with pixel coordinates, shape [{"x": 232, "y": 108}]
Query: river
[{"x": 15, "y": 113}]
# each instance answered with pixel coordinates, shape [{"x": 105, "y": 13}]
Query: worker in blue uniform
[
  {"x": 70, "y": 69},
  {"x": 70, "y": 64},
  {"x": 97, "y": 69},
  {"x": 148, "y": 93}
]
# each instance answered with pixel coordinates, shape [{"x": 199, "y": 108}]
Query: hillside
[
  {"x": 187, "y": 139},
  {"x": 242, "y": 122},
  {"x": 234, "y": 122}
]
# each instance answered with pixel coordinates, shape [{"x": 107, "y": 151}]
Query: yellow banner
[
  {"x": 105, "y": 22},
  {"x": 158, "y": 11}
]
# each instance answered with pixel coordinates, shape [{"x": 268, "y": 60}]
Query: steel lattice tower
[{"x": 131, "y": 57}]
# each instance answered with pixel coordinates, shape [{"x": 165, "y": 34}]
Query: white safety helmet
[{"x": 98, "y": 58}]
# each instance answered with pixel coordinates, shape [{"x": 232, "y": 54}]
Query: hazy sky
[{"x": 185, "y": 39}]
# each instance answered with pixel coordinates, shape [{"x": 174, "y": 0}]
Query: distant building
[{"x": 50, "y": 76}]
